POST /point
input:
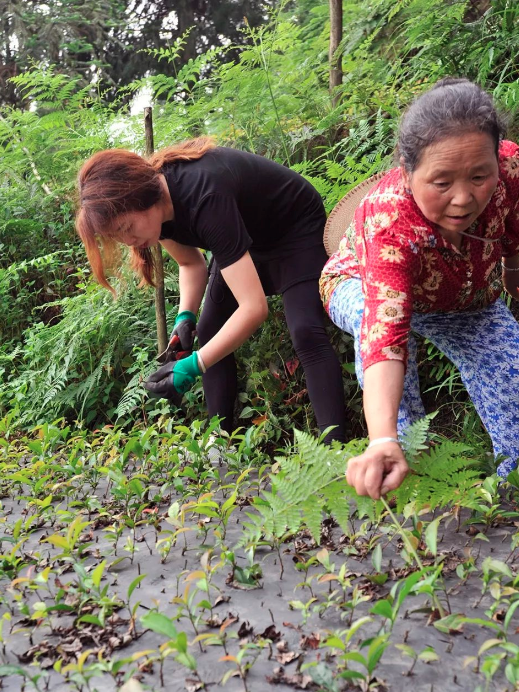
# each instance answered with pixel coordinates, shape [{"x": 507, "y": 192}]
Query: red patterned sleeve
[
  {"x": 390, "y": 265},
  {"x": 509, "y": 172}
]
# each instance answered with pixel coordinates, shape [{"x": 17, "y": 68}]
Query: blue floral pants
[{"x": 482, "y": 344}]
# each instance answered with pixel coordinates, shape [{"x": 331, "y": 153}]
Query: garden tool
[{"x": 172, "y": 351}]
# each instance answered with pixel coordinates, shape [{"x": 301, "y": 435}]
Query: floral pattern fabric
[
  {"x": 484, "y": 346},
  {"x": 406, "y": 266}
]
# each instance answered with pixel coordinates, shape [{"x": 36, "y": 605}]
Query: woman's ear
[{"x": 406, "y": 178}]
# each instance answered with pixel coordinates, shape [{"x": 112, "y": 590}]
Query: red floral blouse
[{"x": 406, "y": 264}]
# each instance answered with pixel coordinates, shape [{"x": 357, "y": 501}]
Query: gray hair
[{"x": 452, "y": 107}]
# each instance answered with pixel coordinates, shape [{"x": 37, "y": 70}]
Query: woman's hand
[
  {"x": 174, "y": 378},
  {"x": 382, "y": 467},
  {"x": 244, "y": 283},
  {"x": 379, "y": 470}
]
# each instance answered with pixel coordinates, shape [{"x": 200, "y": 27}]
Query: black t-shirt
[{"x": 230, "y": 201}]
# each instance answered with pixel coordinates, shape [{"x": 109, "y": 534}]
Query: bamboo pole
[{"x": 156, "y": 251}]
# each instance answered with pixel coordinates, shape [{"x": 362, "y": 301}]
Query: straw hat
[{"x": 342, "y": 214}]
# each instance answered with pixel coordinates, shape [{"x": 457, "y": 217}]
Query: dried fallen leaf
[
  {"x": 131, "y": 685},
  {"x": 291, "y": 626},
  {"x": 221, "y": 621},
  {"x": 72, "y": 599},
  {"x": 245, "y": 629},
  {"x": 292, "y": 365},
  {"x": 286, "y": 657},
  {"x": 298, "y": 680},
  {"x": 72, "y": 647},
  {"x": 271, "y": 633},
  {"x": 311, "y": 641}
]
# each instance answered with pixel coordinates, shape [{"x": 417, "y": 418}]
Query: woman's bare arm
[{"x": 192, "y": 274}]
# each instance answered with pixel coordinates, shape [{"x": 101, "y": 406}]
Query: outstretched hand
[{"x": 378, "y": 470}]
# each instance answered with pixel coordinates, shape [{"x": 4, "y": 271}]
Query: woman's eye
[
  {"x": 479, "y": 178},
  {"x": 441, "y": 185}
]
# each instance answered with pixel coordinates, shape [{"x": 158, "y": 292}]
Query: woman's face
[
  {"x": 139, "y": 229},
  {"x": 454, "y": 181}
]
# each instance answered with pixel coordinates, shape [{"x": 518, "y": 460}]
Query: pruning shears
[{"x": 172, "y": 351}]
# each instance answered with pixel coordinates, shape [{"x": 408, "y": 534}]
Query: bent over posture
[
  {"x": 263, "y": 224},
  {"x": 428, "y": 251}
]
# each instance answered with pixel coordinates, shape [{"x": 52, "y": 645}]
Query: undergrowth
[
  {"x": 309, "y": 485},
  {"x": 272, "y": 99}
]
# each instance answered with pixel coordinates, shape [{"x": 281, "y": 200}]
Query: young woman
[
  {"x": 263, "y": 224},
  {"x": 429, "y": 250}
]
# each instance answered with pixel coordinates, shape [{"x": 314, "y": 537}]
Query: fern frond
[
  {"x": 312, "y": 512},
  {"x": 441, "y": 475},
  {"x": 338, "y": 496},
  {"x": 414, "y": 438},
  {"x": 132, "y": 396},
  {"x": 311, "y": 484}
]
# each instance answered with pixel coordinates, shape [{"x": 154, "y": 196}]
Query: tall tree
[{"x": 112, "y": 37}]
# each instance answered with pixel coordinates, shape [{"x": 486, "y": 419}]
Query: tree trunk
[
  {"x": 186, "y": 20},
  {"x": 156, "y": 251},
  {"x": 334, "y": 55}
]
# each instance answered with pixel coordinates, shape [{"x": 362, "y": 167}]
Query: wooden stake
[
  {"x": 156, "y": 251},
  {"x": 335, "y": 57}
]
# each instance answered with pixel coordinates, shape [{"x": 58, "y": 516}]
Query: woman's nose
[{"x": 462, "y": 196}]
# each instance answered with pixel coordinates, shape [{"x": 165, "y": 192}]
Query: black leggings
[{"x": 304, "y": 315}]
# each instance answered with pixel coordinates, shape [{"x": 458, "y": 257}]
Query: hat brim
[{"x": 342, "y": 214}]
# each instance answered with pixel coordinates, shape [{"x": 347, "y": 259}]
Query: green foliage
[
  {"x": 446, "y": 473},
  {"x": 310, "y": 484},
  {"x": 72, "y": 367},
  {"x": 109, "y": 39},
  {"x": 269, "y": 95},
  {"x": 414, "y": 439}
]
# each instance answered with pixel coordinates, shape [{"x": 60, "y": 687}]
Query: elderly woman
[
  {"x": 428, "y": 251},
  {"x": 263, "y": 224}
]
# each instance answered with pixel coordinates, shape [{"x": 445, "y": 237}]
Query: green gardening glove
[
  {"x": 185, "y": 329},
  {"x": 174, "y": 378}
]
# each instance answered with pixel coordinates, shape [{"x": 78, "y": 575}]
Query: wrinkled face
[
  {"x": 455, "y": 180},
  {"x": 139, "y": 229}
]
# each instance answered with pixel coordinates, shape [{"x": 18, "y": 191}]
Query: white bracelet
[
  {"x": 381, "y": 440},
  {"x": 510, "y": 269},
  {"x": 201, "y": 362}
]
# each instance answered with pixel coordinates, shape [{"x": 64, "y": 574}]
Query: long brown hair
[{"x": 117, "y": 181}]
